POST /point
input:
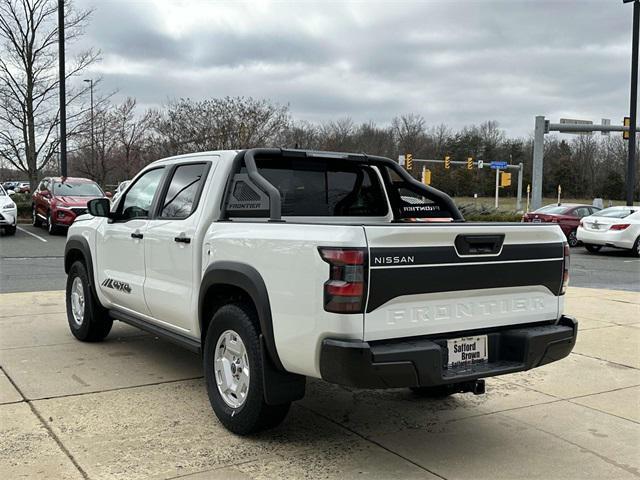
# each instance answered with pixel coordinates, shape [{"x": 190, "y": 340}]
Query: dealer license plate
[{"x": 466, "y": 351}]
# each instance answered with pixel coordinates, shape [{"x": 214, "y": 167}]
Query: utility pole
[
  {"x": 633, "y": 108},
  {"x": 538, "y": 159},
  {"x": 93, "y": 148},
  {"x": 63, "y": 96},
  {"x": 497, "y": 185}
]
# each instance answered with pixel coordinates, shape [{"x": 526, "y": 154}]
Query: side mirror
[
  {"x": 45, "y": 193},
  {"x": 108, "y": 194},
  {"x": 11, "y": 193},
  {"x": 99, "y": 207}
]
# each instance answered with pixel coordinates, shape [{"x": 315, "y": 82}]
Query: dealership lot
[{"x": 135, "y": 406}]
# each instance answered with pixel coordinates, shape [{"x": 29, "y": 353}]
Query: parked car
[
  {"x": 567, "y": 215},
  {"x": 59, "y": 200},
  {"x": 279, "y": 264},
  {"x": 617, "y": 227},
  {"x": 8, "y": 213},
  {"x": 10, "y": 185},
  {"x": 23, "y": 187}
]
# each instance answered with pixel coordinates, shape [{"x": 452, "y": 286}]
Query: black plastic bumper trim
[{"x": 421, "y": 361}]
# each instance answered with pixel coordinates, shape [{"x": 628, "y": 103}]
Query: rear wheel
[
  {"x": 593, "y": 248},
  {"x": 234, "y": 373},
  {"x": 88, "y": 320},
  {"x": 572, "y": 239}
]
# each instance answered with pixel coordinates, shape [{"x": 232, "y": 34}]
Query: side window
[
  {"x": 581, "y": 212},
  {"x": 137, "y": 202},
  {"x": 184, "y": 188}
]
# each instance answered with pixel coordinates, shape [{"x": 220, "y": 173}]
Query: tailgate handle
[{"x": 478, "y": 244}]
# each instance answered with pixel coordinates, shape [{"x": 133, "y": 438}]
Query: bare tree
[
  {"x": 131, "y": 134},
  {"x": 29, "y": 107},
  {"x": 220, "y": 123}
]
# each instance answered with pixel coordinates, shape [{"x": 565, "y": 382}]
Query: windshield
[
  {"x": 77, "y": 189},
  {"x": 552, "y": 209},
  {"x": 614, "y": 212}
]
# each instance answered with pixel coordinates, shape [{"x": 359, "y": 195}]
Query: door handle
[
  {"x": 182, "y": 239},
  {"x": 137, "y": 235}
]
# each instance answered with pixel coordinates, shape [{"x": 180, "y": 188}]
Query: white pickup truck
[{"x": 276, "y": 265}]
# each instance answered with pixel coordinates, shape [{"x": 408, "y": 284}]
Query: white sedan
[
  {"x": 8, "y": 213},
  {"x": 617, "y": 227}
]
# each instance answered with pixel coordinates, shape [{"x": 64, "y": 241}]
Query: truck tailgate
[{"x": 432, "y": 278}]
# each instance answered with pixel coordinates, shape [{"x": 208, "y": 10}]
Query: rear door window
[
  {"x": 183, "y": 192},
  {"x": 325, "y": 188}
]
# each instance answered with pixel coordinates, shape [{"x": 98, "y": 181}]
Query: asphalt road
[{"x": 32, "y": 261}]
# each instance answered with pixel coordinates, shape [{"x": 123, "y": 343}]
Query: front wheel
[
  {"x": 572, "y": 239},
  {"x": 51, "y": 228},
  {"x": 88, "y": 320},
  {"x": 233, "y": 371},
  {"x": 36, "y": 221},
  {"x": 593, "y": 248},
  {"x": 636, "y": 248},
  {"x": 10, "y": 230}
]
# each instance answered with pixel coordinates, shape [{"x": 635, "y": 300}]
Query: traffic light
[
  {"x": 408, "y": 161},
  {"x": 469, "y": 163},
  {"x": 627, "y": 123},
  {"x": 426, "y": 176},
  {"x": 447, "y": 162},
  {"x": 505, "y": 179}
]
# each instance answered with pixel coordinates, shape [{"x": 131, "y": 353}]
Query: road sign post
[{"x": 497, "y": 185}]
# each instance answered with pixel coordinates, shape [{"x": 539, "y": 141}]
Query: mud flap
[{"x": 279, "y": 387}]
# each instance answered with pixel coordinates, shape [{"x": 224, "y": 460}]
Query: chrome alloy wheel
[
  {"x": 231, "y": 365},
  {"x": 77, "y": 301}
]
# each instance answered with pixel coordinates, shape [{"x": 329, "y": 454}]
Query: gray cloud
[{"x": 458, "y": 62}]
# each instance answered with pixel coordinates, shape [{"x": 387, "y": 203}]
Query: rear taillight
[
  {"x": 565, "y": 272},
  {"x": 345, "y": 291},
  {"x": 619, "y": 226},
  {"x": 554, "y": 219}
]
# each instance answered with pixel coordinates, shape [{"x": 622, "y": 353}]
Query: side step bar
[{"x": 173, "y": 337}]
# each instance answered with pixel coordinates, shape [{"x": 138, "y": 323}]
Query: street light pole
[
  {"x": 63, "y": 99},
  {"x": 633, "y": 108},
  {"x": 93, "y": 150}
]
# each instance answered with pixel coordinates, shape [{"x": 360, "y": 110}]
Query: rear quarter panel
[{"x": 286, "y": 256}]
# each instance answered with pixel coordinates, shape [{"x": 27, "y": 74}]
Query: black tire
[
  {"x": 593, "y": 248},
  {"x": 96, "y": 323},
  {"x": 10, "y": 230},
  {"x": 254, "y": 414},
  {"x": 572, "y": 239},
  {"x": 635, "y": 251},
  {"x": 35, "y": 221},
  {"x": 51, "y": 227}
]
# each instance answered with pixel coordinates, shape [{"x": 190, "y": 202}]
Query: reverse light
[
  {"x": 620, "y": 226},
  {"x": 565, "y": 269},
  {"x": 345, "y": 290}
]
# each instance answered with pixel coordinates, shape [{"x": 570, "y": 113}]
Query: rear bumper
[
  {"x": 618, "y": 239},
  {"x": 422, "y": 362}
]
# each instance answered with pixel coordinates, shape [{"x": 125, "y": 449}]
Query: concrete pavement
[{"x": 135, "y": 407}]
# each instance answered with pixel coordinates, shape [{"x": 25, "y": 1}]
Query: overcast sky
[{"x": 458, "y": 62}]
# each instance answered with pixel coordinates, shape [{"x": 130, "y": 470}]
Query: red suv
[
  {"x": 567, "y": 215},
  {"x": 59, "y": 200}
]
